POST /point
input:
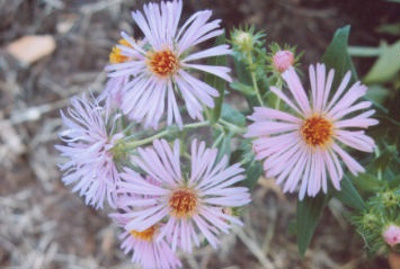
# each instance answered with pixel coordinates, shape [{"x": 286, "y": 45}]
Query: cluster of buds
[{"x": 380, "y": 224}]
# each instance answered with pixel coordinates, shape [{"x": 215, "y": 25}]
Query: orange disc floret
[
  {"x": 115, "y": 56},
  {"x": 146, "y": 235},
  {"x": 183, "y": 202},
  {"x": 317, "y": 131},
  {"x": 163, "y": 63}
]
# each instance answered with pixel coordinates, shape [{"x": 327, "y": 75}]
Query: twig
[{"x": 254, "y": 248}]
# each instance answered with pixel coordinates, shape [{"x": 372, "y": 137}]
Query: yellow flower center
[
  {"x": 146, "y": 235},
  {"x": 163, "y": 63},
  {"x": 183, "y": 202},
  {"x": 317, "y": 131},
  {"x": 115, "y": 56}
]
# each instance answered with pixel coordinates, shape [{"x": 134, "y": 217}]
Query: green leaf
[
  {"x": 243, "y": 88},
  {"x": 253, "y": 168},
  {"x": 223, "y": 144},
  {"x": 337, "y": 56},
  {"x": 391, "y": 29},
  {"x": 241, "y": 69},
  {"x": 387, "y": 65},
  {"x": 394, "y": 1},
  {"x": 394, "y": 181},
  {"x": 349, "y": 196},
  {"x": 232, "y": 115},
  {"x": 217, "y": 83},
  {"x": 367, "y": 182},
  {"x": 309, "y": 212},
  {"x": 377, "y": 93}
]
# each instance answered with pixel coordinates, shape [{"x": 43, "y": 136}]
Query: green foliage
[
  {"x": 391, "y": 29},
  {"x": 337, "y": 56},
  {"x": 309, "y": 212},
  {"x": 382, "y": 210},
  {"x": 387, "y": 65},
  {"x": 250, "y": 62},
  {"x": 217, "y": 83},
  {"x": 231, "y": 115},
  {"x": 244, "y": 154},
  {"x": 349, "y": 195}
]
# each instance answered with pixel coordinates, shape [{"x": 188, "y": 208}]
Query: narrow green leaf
[
  {"x": 232, "y": 115},
  {"x": 243, "y": 88},
  {"x": 309, "y": 212},
  {"x": 245, "y": 156},
  {"x": 254, "y": 170},
  {"x": 387, "y": 65},
  {"x": 337, "y": 56},
  {"x": 394, "y": 181},
  {"x": 367, "y": 182},
  {"x": 241, "y": 69},
  {"x": 391, "y": 29},
  {"x": 377, "y": 93},
  {"x": 217, "y": 82},
  {"x": 349, "y": 196},
  {"x": 222, "y": 140}
]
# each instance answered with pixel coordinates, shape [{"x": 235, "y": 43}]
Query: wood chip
[{"x": 29, "y": 49}]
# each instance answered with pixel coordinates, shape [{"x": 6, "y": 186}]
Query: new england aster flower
[
  {"x": 160, "y": 68},
  {"x": 114, "y": 91},
  {"x": 304, "y": 148},
  {"x": 189, "y": 204},
  {"x": 91, "y": 166},
  {"x": 146, "y": 251}
]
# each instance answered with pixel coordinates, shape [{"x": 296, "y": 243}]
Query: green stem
[
  {"x": 232, "y": 126},
  {"x": 278, "y": 100},
  {"x": 146, "y": 140},
  {"x": 218, "y": 140},
  {"x": 379, "y": 171},
  {"x": 253, "y": 78},
  {"x": 364, "y": 51},
  {"x": 150, "y": 139}
]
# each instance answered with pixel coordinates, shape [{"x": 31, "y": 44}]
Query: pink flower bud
[
  {"x": 392, "y": 235},
  {"x": 282, "y": 60}
]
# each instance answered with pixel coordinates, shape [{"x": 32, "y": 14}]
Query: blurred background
[{"x": 51, "y": 50}]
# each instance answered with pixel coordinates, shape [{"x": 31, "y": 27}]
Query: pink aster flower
[
  {"x": 190, "y": 204},
  {"x": 91, "y": 166},
  {"x": 146, "y": 251},
  {"x": 304, "y": 147},
  {"x": 160, "y": 68},
  {"x": 391, "y": 235},
  {"x": 114, "y": 91}
]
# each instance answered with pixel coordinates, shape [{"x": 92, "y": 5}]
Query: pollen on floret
[
  {"x": 317, "y": 131},
  {"x": 282, "y": 60},
  {"x": 183, "y": 202},
  {"x": 115, "y": 56},
  {"x": 163, "y": 63},
  {"x": 146, "y": 235}
]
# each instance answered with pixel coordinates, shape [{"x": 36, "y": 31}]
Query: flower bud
[
  {"x": 392, "y": 235},
  {"x": 282, "y": 60},
  {"x": 243, "y": 40}
]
